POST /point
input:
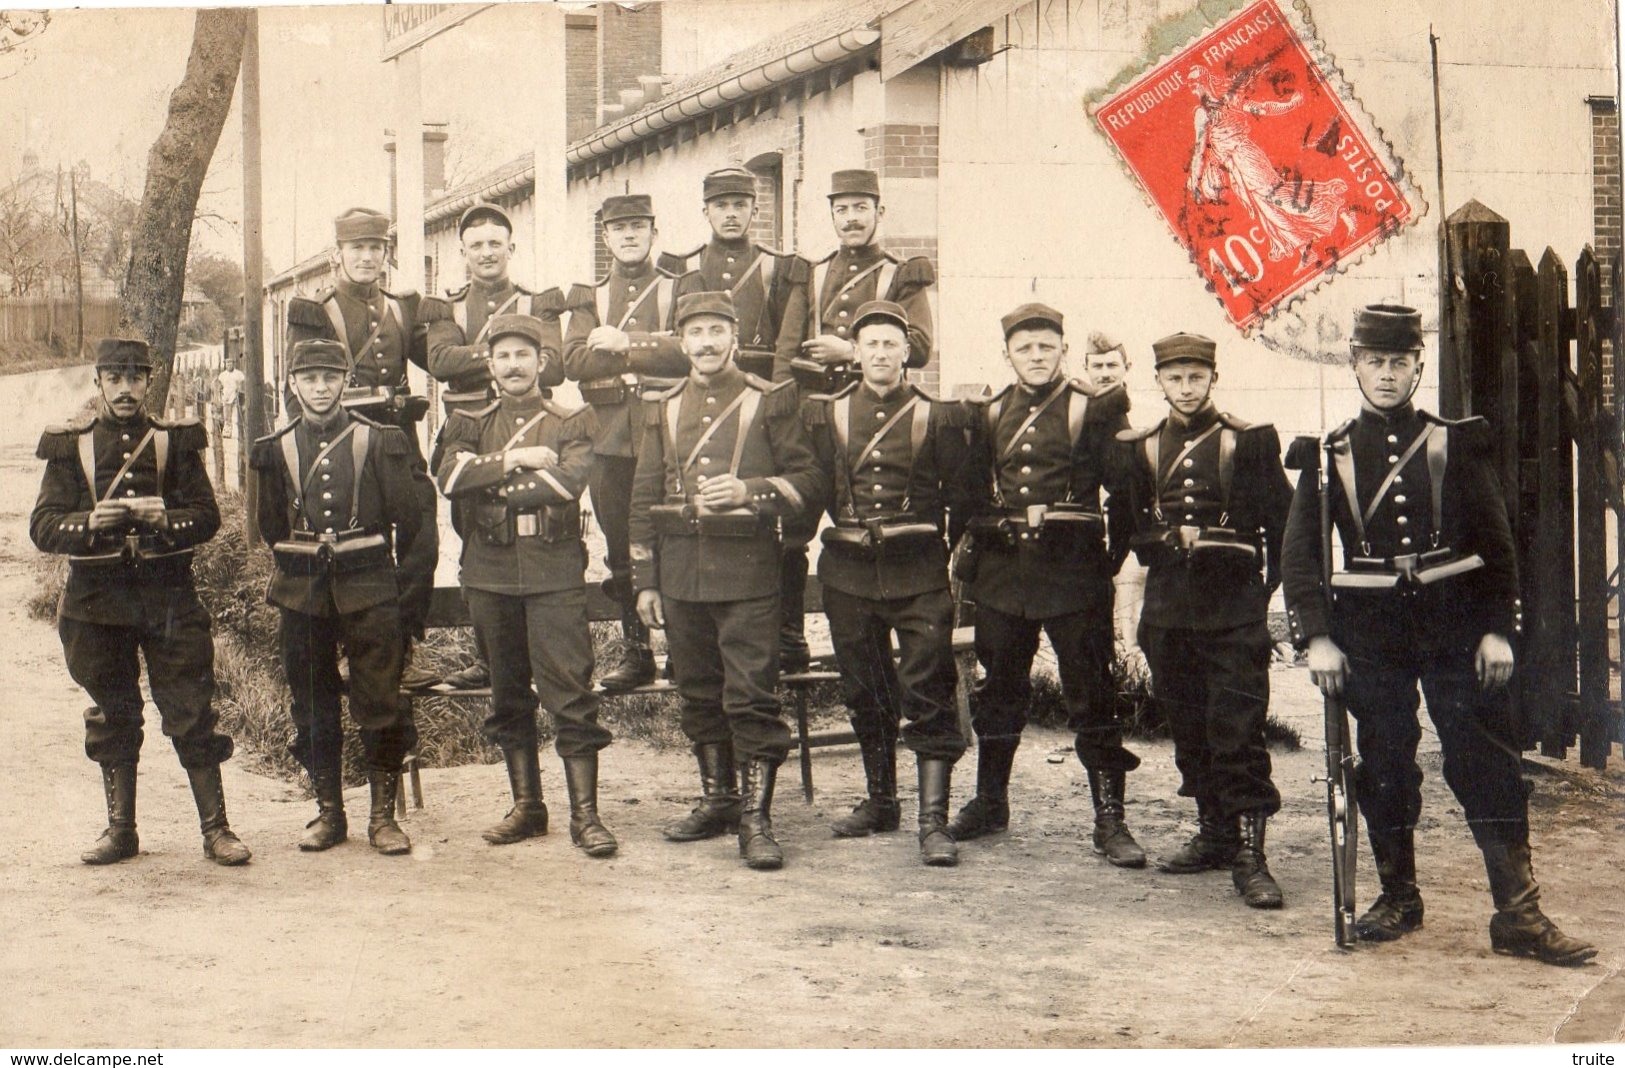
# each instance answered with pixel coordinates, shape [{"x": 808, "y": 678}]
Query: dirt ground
[{"x": 1032, "y": 941}]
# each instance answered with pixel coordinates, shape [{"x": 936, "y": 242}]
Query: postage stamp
[{"x": 1263, "y": 163}]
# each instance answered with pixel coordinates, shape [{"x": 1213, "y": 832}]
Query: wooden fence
[
  {"x": 1515, "y": 350},
  {"x": 47, "y": 318}
]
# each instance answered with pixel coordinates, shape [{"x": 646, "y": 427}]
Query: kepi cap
[
  {"x": 708, "y": 303},
  {"x": 122, "y": 354},
  {"x": 1030, "y": 314},
  {"x": 629, "y": 206},
  {"x": 484, "y": 212},
  {"x": 318, "y": 354},
  {"x": 361, "y": 224},
  {"x": 1186, "y": 347},
  {"x": 510, "y": 325},
  {"x": 856, "y": 182},
  {"x": 729, "y": 182},
  {"x": 1388, "y": 328},
  {"x": 882, "y": 310}
]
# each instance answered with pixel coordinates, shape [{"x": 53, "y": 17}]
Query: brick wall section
[
  {"x": 906, "y": 150},
  {"x": 602, "y": 261},
  {"x": 1606, "y": 214},
  {"x": 766, "y": 227},
  {"x": 628, "y": 46},
  {"x": 580, "y": 75}
]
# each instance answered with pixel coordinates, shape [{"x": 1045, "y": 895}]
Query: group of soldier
[{"x": 735, "y": 397}]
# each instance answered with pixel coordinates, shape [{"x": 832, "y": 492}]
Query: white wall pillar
[{"x": 557, "y": 261}]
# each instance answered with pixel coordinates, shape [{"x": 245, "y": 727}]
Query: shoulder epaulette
[
  {"x": 603, "y": 280},
  {"x": 827, "y": 257},
  {"x": 1303, "y": 454},
  {"x": 458, "y": 293},
  {"x": 307, "y": 311},
  {"x": 435, "y": 309},
  {"x": 478, "y": 413},
  {"x": 175, "y": 424},
  {"x": 73, "y": 426},
  {"x": 405, "y": 294},
  {"x": 554, "y": 408},
  {"x": 273, "y": 435},
  {"x": 1241, "y": 424},
  {"x": 60, "y": 441},
  {"x": 367, "y": 420},
  {"x": 758, "y": 382},
  {"x": 1087, "y": 388},
  {"x": 915, "y": 271},
  {"x": 581, "y": 296},
  {"x": 1470, "y": 420},
  {"x": 919, "y": 391},
  {"x": 676, "y": 263},
  {"x": 672, "y": 392},
  {"x": 838, "y": 394},
  {"x": 325, "y": 293},
  {"x": 1140, "y": 433},
  {"x": 770, "y": 251},
  {"x": 548, "y": 302},
  {"x": 1341, "y": 431}
]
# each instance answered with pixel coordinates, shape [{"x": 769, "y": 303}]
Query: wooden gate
[{"x": 1513, "y": 349}]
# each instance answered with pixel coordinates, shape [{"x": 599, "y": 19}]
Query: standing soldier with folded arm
[
  {"x": 1428, "y": 592},
  {"x": 339, "y": 509},
  {"x": 515, "y": 470},
  {"x": 620, "y": 349},
  {"x": 126, "y": 498},
  {"x": 724, "y": 459}
]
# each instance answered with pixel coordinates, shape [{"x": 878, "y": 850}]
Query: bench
[{"x": 447, "y": 609}]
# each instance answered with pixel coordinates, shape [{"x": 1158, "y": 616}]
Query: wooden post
[
  {"x": 78, "y": 270},
  {"x": 1524, "y": 509},
  {"x": 254, "y": 415},
  {"x": 1553, "y": 616},
  {"x": 1478, "y": 330},
  {"x": 1591, "y": 530}
]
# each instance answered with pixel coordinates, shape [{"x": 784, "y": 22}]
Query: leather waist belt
[
  {"x": 1410, "y": 569},
  {"x": 137, "y": 550},
  {"x": 882, "y": 536},
  {"x": 398, "y": 402},
  {"x": 1197, "y": 542},
  {"x": 473, "y": 397},
  {"x": 308, "y": 553},
  {"x": 692, "y": 520}
]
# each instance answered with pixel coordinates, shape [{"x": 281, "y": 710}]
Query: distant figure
[{"x": 228, "y": 387}]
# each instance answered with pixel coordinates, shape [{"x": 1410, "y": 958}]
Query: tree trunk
[{"x": 155, "y": 280}]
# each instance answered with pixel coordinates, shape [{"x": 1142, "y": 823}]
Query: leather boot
[
  {"x": 637, "y": 663},
  {"x": 119, "y": 840},
  {"x": 937, "y": 846},
  {"x": 528, "y": 816},
  {"x": 581, "y": 780},
  {"x": 330, "y": 827},
  {"x": 219, "y": 843},
  {"x": 413, "y": 676},
  {"x": 1519, "y": 928},
  {"x": 384, "y": 834},
  {"x": 879, "y": 811},
  {"x": 756, "y": 842},
  {"x": 1249, "y": 871},
  {"x": 476, "y": 676},
  {"x": 1398, "y": 909},
  {"x": 989, "y": 811},
  {"x": 1112, "y": 839},
  {"x": 718, "y": 810},
  {"x": 794, "y": 656},
  {"x": 1212, "y": 847}
]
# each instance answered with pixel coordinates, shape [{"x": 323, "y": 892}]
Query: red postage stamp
[{"x": 1254, "y": 149}]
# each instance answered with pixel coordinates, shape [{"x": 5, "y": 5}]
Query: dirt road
[{"x": 1031, "y": 941}]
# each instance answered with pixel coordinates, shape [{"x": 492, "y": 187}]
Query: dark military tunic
[
  {"x": 762, "y": 281},
  {"x": 1203, "y": 624},
  {"x": 118, "y": 603},
  {"x": 318, "y": 494},
  {"x": 523, "y": 562},
  {"x": 456, "y": 337},
  {"x": 1410, "y": 633},
  {"x": 841, "y": 283},
  {"x": 905, "y": 457},
  {"x": 720, "y": 592}
]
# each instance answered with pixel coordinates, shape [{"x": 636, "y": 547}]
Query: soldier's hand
[
  {"x": 651, "y": 610},
  {"x": 828, "y": 349},
  {"x": 608, "y": 339},
  {"x": 149, "y": 510},
  {"x": 723, "y": 491},
  {"x": 108, "y": 514},
  {"x": 1328, "y": 667},
  {"x": 530, "y": 457},
  {"x": 1494, "y": 661}
]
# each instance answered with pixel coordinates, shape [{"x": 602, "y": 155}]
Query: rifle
[{"x": 1342, "y": 804}]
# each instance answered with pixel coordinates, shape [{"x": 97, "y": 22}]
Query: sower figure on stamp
[
  {"x": 515, "y": 470},
  {"x": 761, "y": 282},
  {"x": 816, "y": 340},
  {"x": 620, "y": 348},
  {"x": 1428, "y": 592},
  {"x": 380, "y": 332},
  {"x": 458, "y": 341},
  {"x": 126, "y": 497},
  {"x": 898, "y": 458},
  {"x": 1038, "y": 563},
  {"x": 339, "y": 508},
  {"x": 1208, "y": 505},
  {"x": 724, "y": 458}
]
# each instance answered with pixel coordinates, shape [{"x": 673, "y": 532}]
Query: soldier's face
[
  {"x": 487, "y": 247},
  {"x": 123, "y": 390},
  {"x": 362, "y": 261},
  {"x": 1035, "y": 354},
  {"x": 629, "y": 240},
  {"x": 855, "y": 218},
  {"x": 1105, "y": 369},
  {"x": 708, "y": 341},
  {"x": 882, "y": 352},
  {"x": 318, "y": 389},
  {"x": 1186, "y": 384},
  {"x": 515, "y": 364},
  {"x": 1386, "y": 378},
  {"x": 730, "y": 216}
]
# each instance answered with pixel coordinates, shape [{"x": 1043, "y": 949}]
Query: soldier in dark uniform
[
  {"x": 620, "y": 347},
  {"x": 458, "y": 342},
  {"x": 516, "y": 470},
  {"x": 899, "y": 460},
  {"x": 724, "y": 458},
  {"x": 1040, "y": 564},
  {"x": 761, "y": 282},
  {"x": 126, "y": 498},
  {"x": 338, "y": 505},
  {"x": 1208, "y": 505},
  {"x": 1428, "y": 592},
  {"x": 380, "y": 331}
]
